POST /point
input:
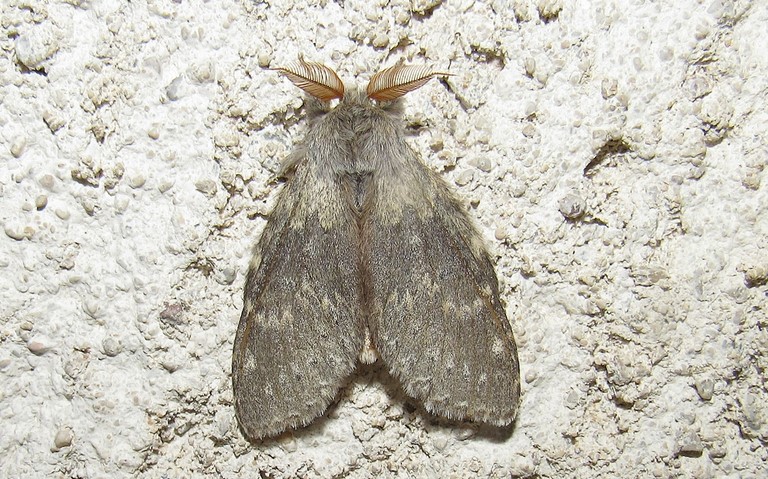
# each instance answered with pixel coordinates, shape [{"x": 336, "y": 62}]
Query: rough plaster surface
[{"x": 613, "y": 154}]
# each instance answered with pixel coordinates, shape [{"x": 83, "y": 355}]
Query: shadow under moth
[{"x": 367, "y": 254}]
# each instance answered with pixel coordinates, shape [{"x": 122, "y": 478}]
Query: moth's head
[{"x": 386, "y": 86}]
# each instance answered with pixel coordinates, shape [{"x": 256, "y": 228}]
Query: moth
[{"x": 368, "y": 254}]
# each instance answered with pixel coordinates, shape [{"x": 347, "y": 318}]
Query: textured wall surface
[{"x": 612, "y": 153}]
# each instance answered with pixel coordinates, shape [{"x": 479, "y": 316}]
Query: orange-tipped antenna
[
  {"x": 396, "y": 81},
  {"x": 314, "y": 78}
]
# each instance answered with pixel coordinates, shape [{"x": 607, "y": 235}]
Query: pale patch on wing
[
  {"x": 249, "y": 363},
  {"x": 368, "y": 355},
  {"x": 401, "y": 195},
  {"x": 497, "y": 348},
  {"x": 450, "y": 362},
  {"x": 477, "y": 246},
  {"x": 255, "y": 261},
  {"x": 478, "y": 304},
  {"x": 287, "y": 319},
  {"x": 330, "y": 212},
  {"x": 248, "y": 306},
  {"x": 326, "y": 305}
]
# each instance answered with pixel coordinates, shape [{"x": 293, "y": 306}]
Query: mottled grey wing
[
  {"x": 301, "y": 329},
  {"x": 437, "y": 320}
]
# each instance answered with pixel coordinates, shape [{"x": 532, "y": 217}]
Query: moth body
[{"x": 368, "y": 254}]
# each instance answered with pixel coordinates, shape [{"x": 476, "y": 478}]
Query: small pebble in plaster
[
  {"x": 38, "y": 347},
  {"x": 484, "y": 164},
  {"x": 164, "y": 186},
  {"x": 64, "y": 438},
  {"x": 690, "y": 445},
  {"x": 465, "y": 177},
  {"x": 18, "y": 145},
  {"x": 18, "y": 232},
  {"x": 264, "y": 59},
  {"x": 46, "y": 181},
  {"x": 549, "y": 9},
  {"x": 530, "y": 66},
  {"x": 226, "y": 276},
  {"x": 705, "y": 388},
  {"x": 137, "y": 181},
  {"x": 380, "y": 40},
  {"x": 174, "y": 89},
  {"x": 572, "y": 207},
  {"x": 54, "y": 121},
  {"x": 754, "y": 275},
  {"x": 609, "y": 87},
  {"x": 529, "y": 131},
  {"x": 35, "y": 47},
  {"x": 41, "y": 201},
  {"x": 207, "y": 187},
  {"x": 111, "y": 347}
]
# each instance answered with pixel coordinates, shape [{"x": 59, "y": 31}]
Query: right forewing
[
  {"x": 300, "y": 330},
  {"x": 438, "y": 322}
]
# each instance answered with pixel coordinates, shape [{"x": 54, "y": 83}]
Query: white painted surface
[{"x": 137, "y": 144}]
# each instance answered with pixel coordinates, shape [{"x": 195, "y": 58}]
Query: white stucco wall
[{"x": 613, "y": 154}]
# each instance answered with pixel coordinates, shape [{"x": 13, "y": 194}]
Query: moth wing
[
  {"x": 437, "y": 320},
  {"x": 301, "y": 328}
]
